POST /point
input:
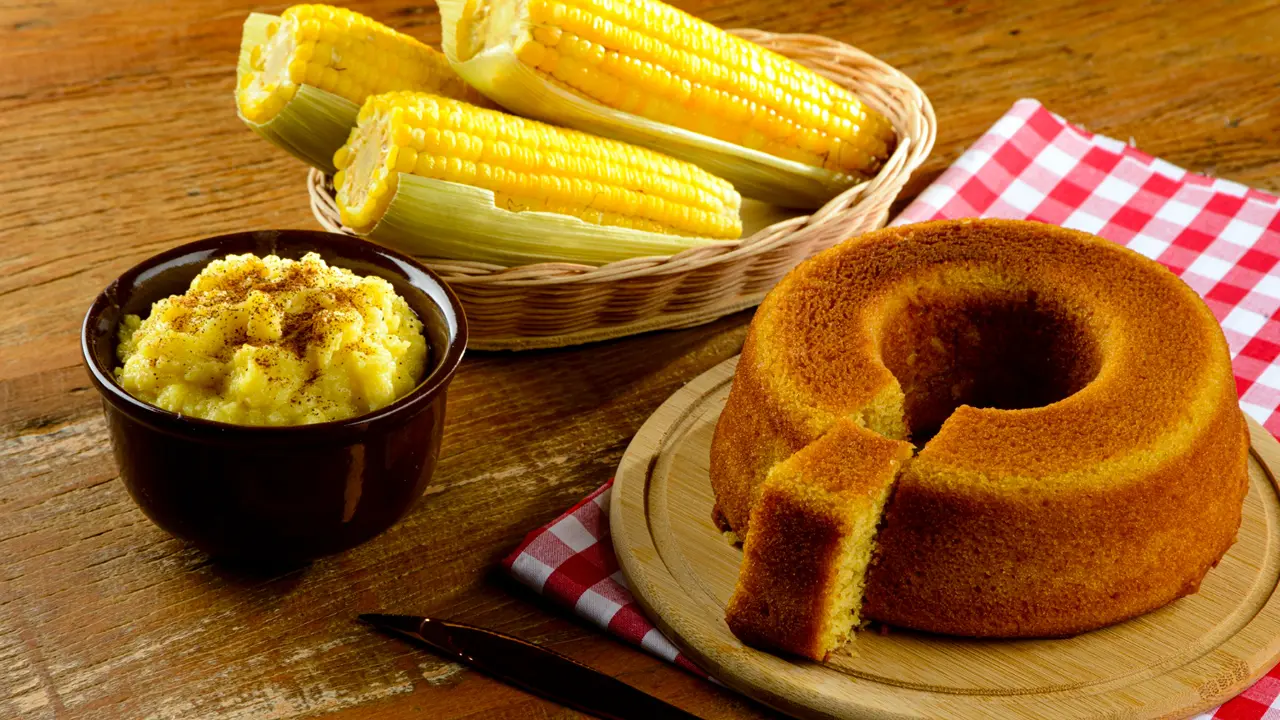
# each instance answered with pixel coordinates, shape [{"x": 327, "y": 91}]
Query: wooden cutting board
[{"x": 1174, "y": 662}]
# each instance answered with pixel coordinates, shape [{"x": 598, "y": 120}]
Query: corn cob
[
  {"x": 642, "y": 71},
  {"x": 557, "y": 194},
  {"x": 311, "y": 68}
]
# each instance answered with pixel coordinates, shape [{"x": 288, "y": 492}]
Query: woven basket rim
[{"x": 876, "y": 82}]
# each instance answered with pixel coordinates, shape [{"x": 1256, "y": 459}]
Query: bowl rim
[{"x": 424, "y": 393}]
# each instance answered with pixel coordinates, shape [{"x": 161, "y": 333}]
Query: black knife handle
[{"x": 549, "y": 674}]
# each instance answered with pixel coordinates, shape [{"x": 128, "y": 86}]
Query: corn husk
[
  {"x": 440, "y": 219},
  {"x": 311, "y": 126},
  {"x": 499, "y": 74}
]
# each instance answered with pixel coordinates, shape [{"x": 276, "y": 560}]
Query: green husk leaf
[
  {"x": 311, "y": 126},
  {"x": 499, "y": 74},
  {"x": 439, "y": 219}
]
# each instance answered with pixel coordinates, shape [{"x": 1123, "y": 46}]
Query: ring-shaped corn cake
[{"x": 983, "y": 428}]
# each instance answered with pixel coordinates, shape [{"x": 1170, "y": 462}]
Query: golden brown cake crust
[
  {"x": 1108, "y": 500},
  {"x": 789, "y": 588},
  {"x": 1058, "y": 561},
  {"x": 799, "y": 551}
]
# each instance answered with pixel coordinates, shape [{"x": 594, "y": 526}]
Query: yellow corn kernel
[
  {"x": 527, "y": 165},
  {"x": 646, "y": 58},
  {"x": 344, "y": 53}
]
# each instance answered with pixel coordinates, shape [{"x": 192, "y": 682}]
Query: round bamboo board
[{"x": 1174, "y": 662}]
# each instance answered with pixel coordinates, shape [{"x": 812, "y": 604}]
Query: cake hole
[{"x": 1008, "y": 350}]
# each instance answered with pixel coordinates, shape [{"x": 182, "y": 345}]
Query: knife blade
[{"x": 535, "y": 669}]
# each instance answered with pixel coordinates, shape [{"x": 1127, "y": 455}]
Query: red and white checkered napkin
[
  {"x": 571, "y": 560},
  {"x": 1222, "y": 238}
]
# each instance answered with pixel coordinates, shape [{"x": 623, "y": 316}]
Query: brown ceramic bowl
[{"x": 276, "y": 494}]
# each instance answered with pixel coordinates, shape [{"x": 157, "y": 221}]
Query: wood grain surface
[
  {"x": 1179, "y": 660},
  {"x": 118, "y": 139}
]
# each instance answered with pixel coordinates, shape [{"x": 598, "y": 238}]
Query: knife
[{"x": 535, "y": 669}]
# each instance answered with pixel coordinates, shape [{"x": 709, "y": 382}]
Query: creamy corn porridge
[{"x": 273, "y": 341}]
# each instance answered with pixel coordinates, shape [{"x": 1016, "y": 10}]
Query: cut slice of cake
[{"x": 812, "y": 534}]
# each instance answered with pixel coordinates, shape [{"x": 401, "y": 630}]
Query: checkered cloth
[
  {"x": 571, "y": 560},
  {"x": 1222, "y": 238}
]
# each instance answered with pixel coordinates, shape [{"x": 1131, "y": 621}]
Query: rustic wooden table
[{"x": 118, "y": 139}]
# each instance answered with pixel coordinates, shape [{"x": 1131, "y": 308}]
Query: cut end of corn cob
[
  {"x": 527, "y": 166},
  {"x": 343, "y": 53},
  {"x": 650, "y": 60},
  {"x": 303, "y": 75}
]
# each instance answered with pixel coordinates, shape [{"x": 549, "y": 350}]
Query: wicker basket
[{"x": 558, "y": 304}]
